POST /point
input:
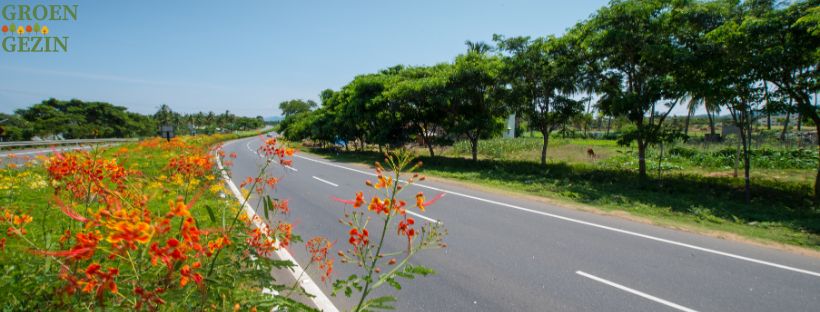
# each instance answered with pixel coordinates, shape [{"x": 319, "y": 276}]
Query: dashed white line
[
  {"x": 600, "y": 226},
  {"x": 422, "y": 216},
  {"x": 291, "y": 168},
  {"x": 326, "y": 181},
  {"x": 635, "y": 292}
]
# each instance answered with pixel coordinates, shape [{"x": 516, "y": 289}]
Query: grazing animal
[{"x": 590, "y": 153}]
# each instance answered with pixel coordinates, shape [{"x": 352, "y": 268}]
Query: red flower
[
  {"x": 359, "y": 200},
  {"x": 187, "y": 273},
  {"x": 359, "y": 239},
  {"x": 148, "y": 298}
]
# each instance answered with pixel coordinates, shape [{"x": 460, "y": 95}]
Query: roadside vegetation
[
  {"x": 148, "y": 226},
  {"x": 75, "y": 119},
  {"x": 587, "y": 116}
]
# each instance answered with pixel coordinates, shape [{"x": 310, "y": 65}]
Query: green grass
[{"x": 780, "y": 211}]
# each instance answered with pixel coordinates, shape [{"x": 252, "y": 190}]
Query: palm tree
[{"x": 480, "y": 47}]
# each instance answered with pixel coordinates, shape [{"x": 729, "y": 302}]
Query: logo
[{"x": 30, "y": 28}]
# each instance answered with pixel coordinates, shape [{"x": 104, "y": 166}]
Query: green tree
[
  {"x": 291, "y": 107},
  {"x": 788, "y": 42},
  {"x": 631, "y": 41},
  {"x": 422, "y": 97},
  {"x": 477, "y": 91},
  {"x": 544, "y": 73}
]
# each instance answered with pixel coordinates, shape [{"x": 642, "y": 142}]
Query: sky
[{"x": 248, "y": 56}]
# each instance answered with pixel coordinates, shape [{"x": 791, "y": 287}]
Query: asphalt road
[{"x": 512, "y": 254}]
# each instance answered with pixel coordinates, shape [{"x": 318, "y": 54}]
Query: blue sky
[{"x": 247, "y": 56}]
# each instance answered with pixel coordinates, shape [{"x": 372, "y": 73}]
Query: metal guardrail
[{"x": 62, "y": 142}]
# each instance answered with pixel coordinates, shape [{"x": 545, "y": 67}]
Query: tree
[
  {"x": 632, "y": 43},
  {"x": 789, "y": 46},
  {"x": 421, "y": 93},
  {"x": 544, "y": 74},
  {"x": 291, "y": 107},
  {"x": 476, "y": 108}
]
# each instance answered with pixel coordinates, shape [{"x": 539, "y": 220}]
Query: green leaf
[
  {"x": 393, "y": 283},
  {"x": 383, "y": 303},
  {"x": 211, "y": 213}
]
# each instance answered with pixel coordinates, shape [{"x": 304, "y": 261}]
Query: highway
[{"x": 515, "y": 254}]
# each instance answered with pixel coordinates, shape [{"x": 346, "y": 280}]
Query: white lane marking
[
  {"x": 318, "y": 297},
  {"x": 326, "y": 181},
  {"x": 423, "y": 217},
  {"x": 600, "y": 226},
  {"x": 635, "y": 292},
  {"x": 291, "y": 168}
]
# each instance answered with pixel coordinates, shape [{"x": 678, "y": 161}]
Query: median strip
[{"x": 635, "y": 292}]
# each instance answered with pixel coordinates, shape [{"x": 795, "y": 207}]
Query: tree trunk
[
  {"x": 474, "y": 148},
  {"x": 430, "y": 148},
  {"x": 660, "y": 162},
  {"x": 744, "y": 135},
  {"x": 785, "y": 126},
  {"x": 608, "y": 125},
  {"x": 686, "y": 123},
  {"x": 544, "y": 147},
  {"x": 817, "y": 177},
  {"x": 711, "y": 122},
  {"x": 641, "y": 158},
  {"x": 799, "y": 122},
  {"x": 768, "y": 120}
]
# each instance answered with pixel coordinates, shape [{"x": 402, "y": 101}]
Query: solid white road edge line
[
  {"x": 326, "y": 181},
  {"x": 319, "y": 299},
  {"x": 47, "y": 151},
  {"x": 635, "y": 292},
  {"x": 600, "y": 226}
]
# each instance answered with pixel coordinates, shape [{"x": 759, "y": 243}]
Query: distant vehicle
[{"x": 270, "y": 134}]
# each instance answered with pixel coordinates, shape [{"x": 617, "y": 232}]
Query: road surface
[{"x": 512, "y": 254}]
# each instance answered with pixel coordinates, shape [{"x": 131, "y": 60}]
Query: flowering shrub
[
  {"x": 367, "y": 251},
  {"x": 145, "y": 226}
]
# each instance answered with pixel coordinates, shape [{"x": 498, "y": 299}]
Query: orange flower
[
  {"x": 22, "y": 219},
  {"x": 420, "y": 201},
  {"x": 178, "y": 208},
  {"x": 130, "y": 233},
  {"x": 359, "y": 200},
  {"x": 284, "y": 233},
  {"x": 375, "y": 205},
  {"x": 383, "y": 182},
  {"x": 186, "y": 274},
  {"x": 99, "y": 281}
]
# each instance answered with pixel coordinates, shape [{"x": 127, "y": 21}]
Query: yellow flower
[
  {"x": 216, "y": 188},
  {"x": 44, "y": 30},
  {"x": 20, "y": 30}
]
